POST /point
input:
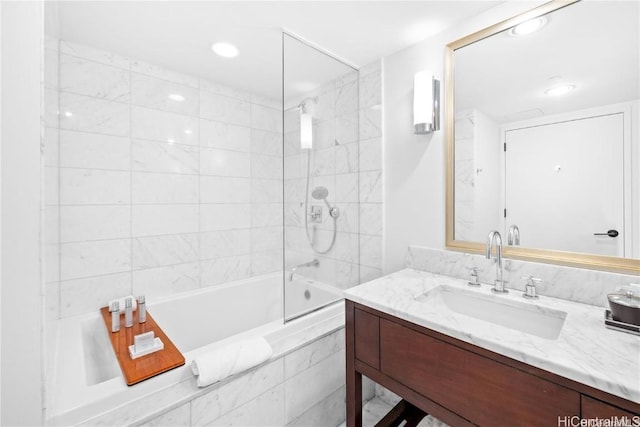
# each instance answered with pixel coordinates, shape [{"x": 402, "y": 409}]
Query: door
[{"x": 564, "y": 184}]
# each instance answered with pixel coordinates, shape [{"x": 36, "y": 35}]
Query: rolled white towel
[
  {"x": 231, "y": 359},
  {"x": 134, "y": 304}
]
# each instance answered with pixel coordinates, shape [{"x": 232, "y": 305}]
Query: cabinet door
[
  {"x": 432, "y": 368},
  {"x": 367, "y": 338},
  {"x": 479, "y": 389},
  {"x": 592, "y": 408}
]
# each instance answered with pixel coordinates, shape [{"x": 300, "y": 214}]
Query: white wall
[
  {"x": 487, "y": 197},
  {"x": 1, "y": 121},
  {"x": 21, "y": 370},
  {"x": 414, "y": 197}
]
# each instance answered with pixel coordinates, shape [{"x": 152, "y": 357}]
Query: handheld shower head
[{"x": 320, "y": 193}]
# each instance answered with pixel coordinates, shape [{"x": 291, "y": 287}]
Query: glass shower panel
[{"x": 321, "y": 190}]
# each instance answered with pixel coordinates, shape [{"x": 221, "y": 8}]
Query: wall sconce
[
  {"x": 426, "y": 103},
  {"x": 306, "y": 131}
]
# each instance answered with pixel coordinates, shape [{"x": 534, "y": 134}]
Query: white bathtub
[{"x": 86, "y": 380}]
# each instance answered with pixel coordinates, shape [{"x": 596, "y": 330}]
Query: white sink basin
[{"x": 528, "y": 318}]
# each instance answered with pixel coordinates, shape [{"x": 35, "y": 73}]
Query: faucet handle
[
  {"x": 474, "y": 276},
  {"x": 530, "y": 287}
]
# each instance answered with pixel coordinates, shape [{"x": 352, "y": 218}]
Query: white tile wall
[
  {"x": 154, "y": 195},
  {"x": 347, "y": 160},
  {"x": 276, "y": 393},
  {"x": 570, "y": 283},
  {"x": 51, "y": 159},
  {"x": 96, "y": 115},
  {"x": 371, "y": 180},
  {"x": 84, "y": 77}
]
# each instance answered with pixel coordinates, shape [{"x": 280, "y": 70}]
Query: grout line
[
  {"x": 59, "y": 296},
  {"x": 199, "y": 186},
  {"x": 130, "y": 182}
]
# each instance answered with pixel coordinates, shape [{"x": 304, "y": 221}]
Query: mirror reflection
[{"x": 546, "y": 132}]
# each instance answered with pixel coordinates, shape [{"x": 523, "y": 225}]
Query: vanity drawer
[
  {"x": 592, "y": 408},
  {"x": 479, "y": 389},
  {"x": 367, "y": 338}
]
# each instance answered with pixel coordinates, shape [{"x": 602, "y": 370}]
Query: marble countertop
[{"x": 585, "y": 351}]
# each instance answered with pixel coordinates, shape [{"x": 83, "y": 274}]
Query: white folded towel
[
  {"x": 231, "y": 359},
  {"x": 134, "y": 303}
]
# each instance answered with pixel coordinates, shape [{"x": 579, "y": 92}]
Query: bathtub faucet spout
[{"x": 313, "y": 263}]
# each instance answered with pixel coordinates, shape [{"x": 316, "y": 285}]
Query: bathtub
[{"x": 86, "y": 380}]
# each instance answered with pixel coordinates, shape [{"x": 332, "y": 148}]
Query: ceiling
[
  {"x": 593, "y": 45},
  {"x": 178, "y": 34}
]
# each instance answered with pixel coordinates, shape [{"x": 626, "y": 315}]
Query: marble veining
[
  {"x": 585, "y": 351},
  {"x": 573, "y": 284},
  {"x": 90, "y": 78}
]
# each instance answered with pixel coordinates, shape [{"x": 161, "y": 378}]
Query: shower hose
[{"x": 306, "y": 216}]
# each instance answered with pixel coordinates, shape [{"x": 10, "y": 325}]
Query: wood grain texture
[
  {"x": 145, "y": 367},
  {"x": 367, "y": 339},
  {"x": 462, "y": 384},
  {"x": 592, "y": 408},
  {"x": 549, "y": 376},
  {"x": 354, "y": 378},
  {"x": 479, "y": 389}
]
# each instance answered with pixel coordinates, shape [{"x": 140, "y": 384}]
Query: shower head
[
  {"x": 320, "y": 193},
  {"x": 303, "y": 104}
]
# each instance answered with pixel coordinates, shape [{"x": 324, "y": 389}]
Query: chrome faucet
[
  {"x": 513, "y": 238},
  {"x": 313, "y": 263},
  {"x": 494, "y": 239}
]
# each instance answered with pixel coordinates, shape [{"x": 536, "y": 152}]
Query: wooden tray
[{"x": 147, "y": 366}]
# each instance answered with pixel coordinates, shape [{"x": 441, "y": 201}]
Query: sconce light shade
[
  {"x": 306, "y": 131},
  {"x": 426, "y": 100}
]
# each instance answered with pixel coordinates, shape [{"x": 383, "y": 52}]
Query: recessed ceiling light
[
  {"x": 188, "y": 131},
  {"x": 226, "y": 50},
  {"x": 68, "y": 113},
  {"x": 560, "y": 90},
  {"x": 171, "y": 141},
  {"x": 176, "y": 97},
  {"x": 528, "y": 27}
]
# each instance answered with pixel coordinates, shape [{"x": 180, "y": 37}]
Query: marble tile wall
[
  {"x": 370, "y": 172},
  {"x": 573, "y": 284},
  {"x": 465, "y": 175},
  {"x": 347, "y": 160},
  {"x": 51, "y": 162},
  {"x": 156, "y": 195},
  {"x": 276, "y": 393}
]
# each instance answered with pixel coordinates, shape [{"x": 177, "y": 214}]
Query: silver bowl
[{"x": 625, "y": 308}]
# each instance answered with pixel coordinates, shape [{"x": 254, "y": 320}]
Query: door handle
[{"x": 610, "y": 233}]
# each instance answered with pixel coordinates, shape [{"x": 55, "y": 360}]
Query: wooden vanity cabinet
[
  {"x": 592, "y": 408},
  {"x": 459, "y": 383}
]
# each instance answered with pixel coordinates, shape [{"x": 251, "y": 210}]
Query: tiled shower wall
[
  {"x": 51, "y": 185},
  {"x": 145, "y": 195},
  {"x": 465, "y": 174},
  {"x": 370, "y": 171},
  {"x": 158, "y": 196},
  {"x": 346, "y": 159}
]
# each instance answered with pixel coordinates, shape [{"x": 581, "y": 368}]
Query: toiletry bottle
[
  {"x": 128, "y": 313},
  {"x": 115, "y": 316},
  {"x": 142, "y": 309}
]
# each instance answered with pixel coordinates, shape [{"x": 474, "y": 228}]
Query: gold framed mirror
[{"x": 495, "y": 76}]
